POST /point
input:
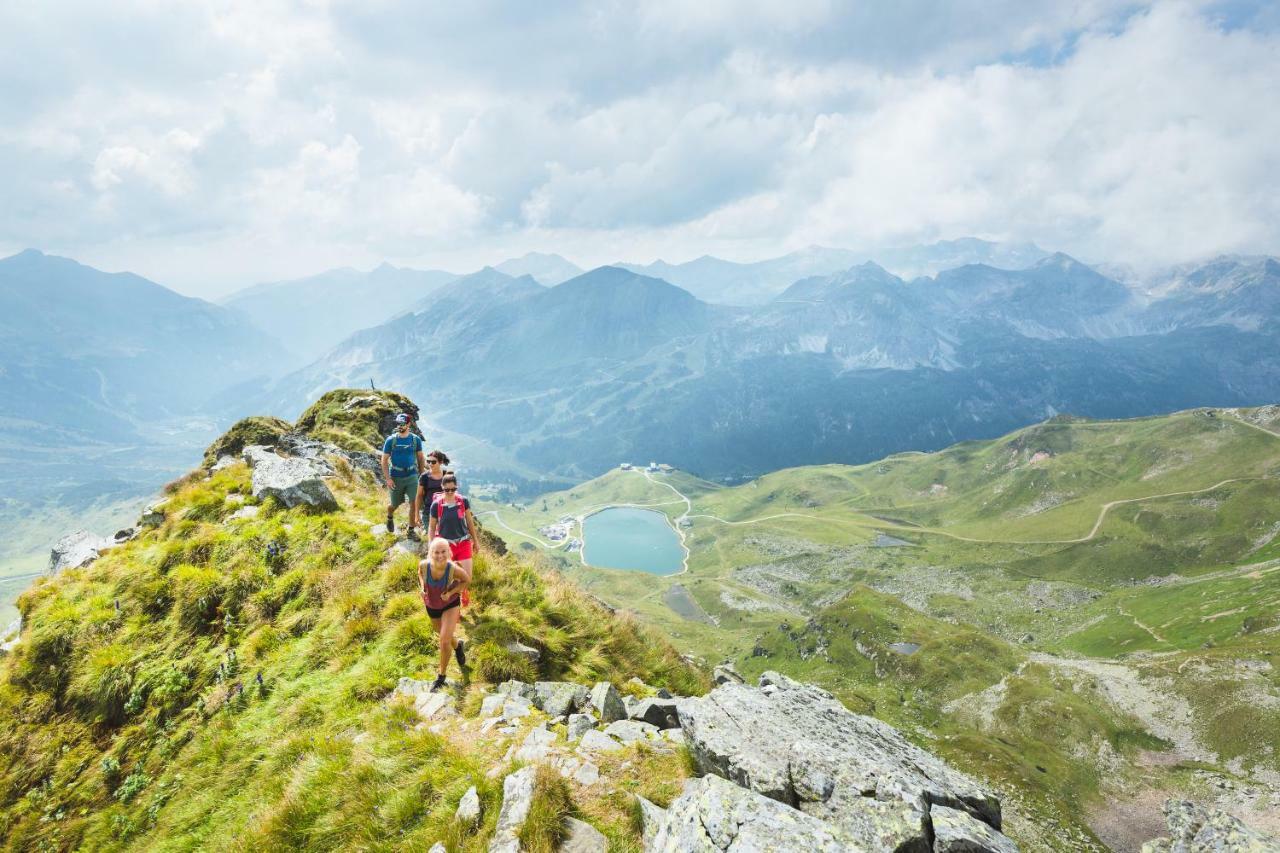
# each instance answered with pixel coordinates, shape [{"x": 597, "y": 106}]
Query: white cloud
[{"x": 213, "y": 144}]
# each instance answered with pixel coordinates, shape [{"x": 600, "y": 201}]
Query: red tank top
[{"x": 435, "y": 588}]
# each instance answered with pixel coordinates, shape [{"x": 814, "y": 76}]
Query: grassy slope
[
  {"x": 775, "y": 584},
  {"x": 117, "y": 730}
]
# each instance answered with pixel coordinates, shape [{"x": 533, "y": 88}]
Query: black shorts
[{"x": 449, "y": 605}]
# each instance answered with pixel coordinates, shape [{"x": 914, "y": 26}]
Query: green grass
[{"x": 131, "y": 714}]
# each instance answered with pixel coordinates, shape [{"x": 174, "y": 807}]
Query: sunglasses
[{"x": 453, "y": 489}]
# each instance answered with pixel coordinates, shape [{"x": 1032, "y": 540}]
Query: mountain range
[
  {"x": 851, "y": 366},
  {"x": 732, "y": 283}
]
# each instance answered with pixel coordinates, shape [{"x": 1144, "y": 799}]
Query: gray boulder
[
  {"x": 529, "y": 653},
  {"x": 1193, "y": 828},
  {"x": 578, "y": 725},
  {"x": 76, "y": 550},
  {"x": 516, "y": 688},
  {"x": 662, "y": 713},
  {"x": 517, "y": 796},
  {"x": 468, "y": 813},
  {"x": 153, "y": 515},
  {"x": 582, "y": 837},
  {"x": 798, "y": 745},
  {"x": 292, "y": 480},
  {"x": 651, "y": 819},
  {"x": 713, "y": 815},
  {"x": 955, "y": 831},
  {"x": 559, "y": 698},
  {"x": 631, "y": 731},
  {"x": 537, "y": 745},
  {"x": 608, "y": 702},
  {"x": 597, "y": 741}
]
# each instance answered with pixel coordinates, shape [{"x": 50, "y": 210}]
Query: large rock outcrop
[
  {"x": 715, "y": 816},
  {"x": 1194, "y": 828},
  {"x": 292, "y": 480},
  {"x": 796, "y": 744},
  {"x": 77, "y": 549}
]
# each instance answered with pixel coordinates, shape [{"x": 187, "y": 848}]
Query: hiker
[
  {"x": 429, "y": 486},
  {"x": 401, "y": 462},
  {"x": 442, "y": 581},
  {"x": 451, "y": 519}
]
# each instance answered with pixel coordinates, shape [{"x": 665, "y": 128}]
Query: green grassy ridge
[{"x": 117, "y": 731}]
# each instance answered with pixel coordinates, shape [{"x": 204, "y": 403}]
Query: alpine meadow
[{"x": 640, "y": 427}]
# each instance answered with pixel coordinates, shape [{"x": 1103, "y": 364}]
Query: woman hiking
[
  {"x": 442, "y": 582},
  {"x": 450, "y": 518},
  {"x": 429, "y": 486}
]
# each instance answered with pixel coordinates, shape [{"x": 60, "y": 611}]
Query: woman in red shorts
[{"x": 451, "y": 519}]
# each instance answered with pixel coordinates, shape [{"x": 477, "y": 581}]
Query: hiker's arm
[
  {"x": 413, "y": 508},
  {"x": 471, "y": 528},
  {"x": 422, "y": 578},
  {"x": 386, "y": 468},
  {"x": 431, "y": 523},
  {"x": 461, "y": 577},
  {"x": 422, "y": 460}
]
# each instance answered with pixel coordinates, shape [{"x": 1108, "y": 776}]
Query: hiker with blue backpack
[{"x": 402, "y": 459}]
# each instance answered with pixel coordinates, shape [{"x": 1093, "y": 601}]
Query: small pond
[
  {"x": 630, "y": 538},
  {"x": 905, "y": 648}
]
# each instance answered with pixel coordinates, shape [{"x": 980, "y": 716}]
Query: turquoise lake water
[{"x": 630, "y": 538}]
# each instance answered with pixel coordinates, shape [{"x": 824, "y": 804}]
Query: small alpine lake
[{"x": 624, "y": 537}]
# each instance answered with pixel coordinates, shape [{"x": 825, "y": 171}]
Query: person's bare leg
[{"x": 448, "y": 626}]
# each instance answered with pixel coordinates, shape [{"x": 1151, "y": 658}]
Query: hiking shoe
[
  {"x": 459, "y": 652},
  {"x": 438, "y": 684},
  {"x": 413, "y": 535},
  {"x": 391, "y": 523}
]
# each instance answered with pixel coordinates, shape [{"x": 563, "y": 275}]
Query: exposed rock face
[
  {"x": 955, "y": 831},
  {"x": 428, "y": 705},
  {"x": 291, "y": 480},
  {"x": 77, "y": 549},
  {"x": 1193, "y": 828},
  {"x": 798, "y": 745},
  {"x": 517, "y": 796},
  {"x": 582, "y": 837},
  {"x": 714, "y": 815}
]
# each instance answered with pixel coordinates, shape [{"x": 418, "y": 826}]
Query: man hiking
[
  {"x": 442, "y": 581},
  {"x": 401, "y": 461}
]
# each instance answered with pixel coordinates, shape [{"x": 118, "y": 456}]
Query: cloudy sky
[{"x": 209, "y": 145}]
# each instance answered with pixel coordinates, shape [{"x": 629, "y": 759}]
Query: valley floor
[{"x": 1088, "y": 610}]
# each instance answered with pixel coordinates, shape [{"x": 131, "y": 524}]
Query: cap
[{"x": 402, "y": 418}]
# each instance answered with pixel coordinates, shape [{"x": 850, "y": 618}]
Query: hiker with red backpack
[
  {"x": 450, "y": 518},
  {"x": 442, "y": 582}
]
